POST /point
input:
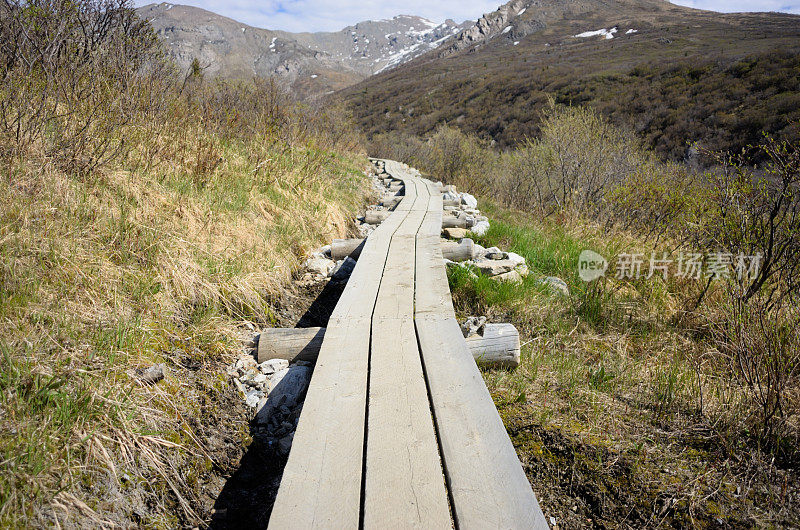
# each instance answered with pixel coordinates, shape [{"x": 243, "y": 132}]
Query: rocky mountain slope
[
  {"x": 374, "y": 46},
  {"x": 311, "y": 63},
  {"x": 674, "y": 74}
]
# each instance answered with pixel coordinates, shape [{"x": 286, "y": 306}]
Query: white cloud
[
  {"x": 319, "y": 15},
  {"x": 736, "y": 6}
]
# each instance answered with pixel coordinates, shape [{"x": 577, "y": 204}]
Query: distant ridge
[
  {"x": 666, "y": 71},
  {"x": 310, "y": 63}
]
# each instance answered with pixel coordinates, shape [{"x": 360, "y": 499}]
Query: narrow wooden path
[{"x": 398, "y": 429}]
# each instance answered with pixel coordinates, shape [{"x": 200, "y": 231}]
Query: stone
[
  {"x": 245, "y": 362},
  {"x": 252, "y": 397},
  {"x": 480, "y": 228},
  {"x": 493, "y": 267},
  {"x": 449, "y": 196},
  {"x": 515, "y": 258},
  {"x": 557, "y": 285},
  {"x": 495, "y": 253},
  {"x": 455, "y": 233},
  {"x": 320, "y": 266},
  {"x": 153, "y": 374},
  {"x": 469, "y": 200},
  {"x": 511, "y": 276},
  {"x": 271, "y": 366},
  {"x": 364, "y": 230},
  {"x": 247, "y": 378},
  {"x": 287, "y": 389},
  {"x": 478, "y": 251},
  {"x": 259, "y": 379},
  {"x": 344, "y": 268},
  {"x": 276, "y": 378},
  {"x": 473, "y": 325}
]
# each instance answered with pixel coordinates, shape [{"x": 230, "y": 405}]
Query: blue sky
[{"x": 318, "y": 15}]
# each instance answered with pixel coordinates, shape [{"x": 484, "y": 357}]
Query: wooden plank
[
  {"x": 404, "y": 484},
  {"x": 487, "y": 484},
  {"x": 321, "y": 484}
]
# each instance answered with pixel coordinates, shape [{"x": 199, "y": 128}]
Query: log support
[
  {"x": 463, "y": 251},
  {"x": 376, "y": 217},
  {"x": 498, "y": 345}
]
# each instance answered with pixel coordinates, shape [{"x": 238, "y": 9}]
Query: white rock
[
  {"x": 472, "y": 326},
  {"x": 320, "y": 266},
  {"x": 469, "y": 200},
  {"x": 276, "y": 378},
  {"x": 449, "y": 196},
  {"x": 557, "y": 285},
  {"x": 259, "y": 379},
  {"x": 245, "y": 362},
  {"x": 480, "y": 228},
  {"x": 511, "y": 276},
  {"x": 495, "y": 254},
  {"x": 516, "y": 259},
  {"x": 287, "y": 389},
  {"x": 478, "y": 251},
  {"x": 253, "y": 397},
  {"x": 153, "y": 374},
  {"x": 494, "y": 267},
  {"x": 364, "y": 230},
  {"x": 273, "y": 365}
]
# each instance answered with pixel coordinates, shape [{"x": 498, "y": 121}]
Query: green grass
[{"x": 605, "y": 409}]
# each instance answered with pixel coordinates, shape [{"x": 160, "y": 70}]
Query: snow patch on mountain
[{"x": 606, "y": 33}]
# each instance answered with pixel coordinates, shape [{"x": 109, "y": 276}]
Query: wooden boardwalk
[{"x": 398, "y": 429}]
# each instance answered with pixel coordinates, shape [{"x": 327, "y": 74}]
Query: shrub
[
  {"x": 763, "y": 347},
  {"x": 71, "y": 74}
]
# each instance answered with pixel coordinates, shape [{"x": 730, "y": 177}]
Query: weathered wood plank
[
  {"x": 404, "y": 484},
  {"x": 487, "y": 484},
  {"x": 321, "y": 484}
]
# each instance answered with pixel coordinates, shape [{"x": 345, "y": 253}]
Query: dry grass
[
  {"x": 624, "y": 415},
  {"x": 158, "y": 258}
]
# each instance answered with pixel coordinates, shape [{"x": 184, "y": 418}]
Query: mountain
[
  {"x": 371, "y": 47},
  {"x": 674, "y": 74},
  {"x": 311, "y": 63}
]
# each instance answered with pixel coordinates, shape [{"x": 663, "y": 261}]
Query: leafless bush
[
  {"x": 756, "y": 212},
  {"x": 763, "y": 348},
  {"x": 72, "y": 73},
  {"x": 585, "y": 157}
]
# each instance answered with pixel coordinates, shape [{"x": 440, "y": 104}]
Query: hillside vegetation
[
  {"x": 682, "y": 76},
  {"x": 652, "y": 399},
  {"x": 145, "y": 219},
  {"x": 152, "y": 219}
]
